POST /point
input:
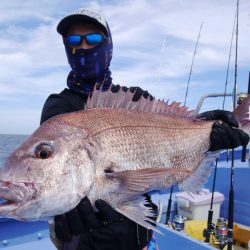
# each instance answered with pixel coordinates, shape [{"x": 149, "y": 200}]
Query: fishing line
[
  {"x": 229, "y": 59},
  {"x": 161, "y": 59},
  {"x": 190, "y": 73},
  {"x": 228, "y": 65}
]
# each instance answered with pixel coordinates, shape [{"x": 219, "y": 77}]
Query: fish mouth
[
  {"x": 8, "y": 208},
  {"x": 13, "y": 194},
  {"x": 6, "y": 202}
]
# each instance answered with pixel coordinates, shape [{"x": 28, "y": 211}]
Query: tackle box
[{"x": 196, "y": 206}]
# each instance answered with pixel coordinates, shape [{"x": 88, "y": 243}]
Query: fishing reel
[
  {"x": 219, "y": 233},
  {"x": 179, "y": 222},
  {"x": 209, "y": 231},
  {"x": 241, "y": 97}
]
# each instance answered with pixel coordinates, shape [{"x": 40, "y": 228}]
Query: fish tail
[{"x": 242, "y": 115}]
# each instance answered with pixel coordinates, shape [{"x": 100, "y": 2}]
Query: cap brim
[{"x": 66, "y": 22}]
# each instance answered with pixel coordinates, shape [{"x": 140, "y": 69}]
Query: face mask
[
  {"x": 90, "y": 63},
  {"x": 85, "y": 86}
]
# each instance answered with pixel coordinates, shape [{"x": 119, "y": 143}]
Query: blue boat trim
[{"x": 16, "y": 235}]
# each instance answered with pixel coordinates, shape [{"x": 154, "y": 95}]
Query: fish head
[{"x": 48, "y": 174}]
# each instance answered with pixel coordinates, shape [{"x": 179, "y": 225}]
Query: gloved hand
[
  {"x": 138, "y": 92},
  {"x": 106, "y": 229},
  {"x": 224, "y": 133}
]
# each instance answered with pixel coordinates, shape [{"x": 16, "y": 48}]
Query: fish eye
[{"x": 43, "y": 151}]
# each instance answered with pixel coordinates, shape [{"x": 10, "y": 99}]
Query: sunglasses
[{"x": 75, "y": 40}]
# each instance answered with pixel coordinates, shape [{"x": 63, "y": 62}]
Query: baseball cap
[{"x": 81, "y": 15}]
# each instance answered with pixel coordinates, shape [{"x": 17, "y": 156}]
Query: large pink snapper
[{"x": 114, "y": 150}]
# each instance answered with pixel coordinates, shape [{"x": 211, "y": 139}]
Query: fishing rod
[
  {"x": 229, "y": 59},
  {"x": 210, "y": 227},
  {"x": 169, "y": 206},
  {"x": 248, "y": 91},
  {"x": 228, "y": 65},
  {"x": 189, "y": 77},
  {"x": 231, "y": 192}
]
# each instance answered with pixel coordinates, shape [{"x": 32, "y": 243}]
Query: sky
[{"x": 154, "y": 43}]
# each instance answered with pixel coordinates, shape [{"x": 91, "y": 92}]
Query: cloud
[{"x": 153, "y": 47}]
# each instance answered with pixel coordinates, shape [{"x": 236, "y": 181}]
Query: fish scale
[{"x": 146, "y": 138}]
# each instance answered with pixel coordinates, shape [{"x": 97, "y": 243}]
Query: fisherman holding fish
[
  {"x": 88, "y": 44},
  {"x": 122, "y": 145}
]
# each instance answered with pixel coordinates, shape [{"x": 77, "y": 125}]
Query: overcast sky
[{"x": 154, "y": 43}]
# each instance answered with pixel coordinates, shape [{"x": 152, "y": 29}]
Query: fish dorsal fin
[{"x": 124, "y": 100}]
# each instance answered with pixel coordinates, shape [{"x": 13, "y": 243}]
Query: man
[{"x": 88, "y": 45}]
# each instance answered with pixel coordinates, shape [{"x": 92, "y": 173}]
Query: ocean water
[{"x": 8, "y": 143}]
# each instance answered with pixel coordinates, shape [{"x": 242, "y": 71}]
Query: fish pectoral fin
[
  {"x": 137, "y": 211},
  {"x": 143, "y": 180}
]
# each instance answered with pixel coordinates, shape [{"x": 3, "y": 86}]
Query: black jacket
[{"x": 126, "y": 234}]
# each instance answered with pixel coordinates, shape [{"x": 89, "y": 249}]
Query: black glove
[
  {"x": 106, "y": 229},
  {"x": 138, "y": 92},
  {"x": 224, "y": 134}
]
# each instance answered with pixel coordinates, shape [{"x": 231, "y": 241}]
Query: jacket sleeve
[{"x": 54, "y": 105}]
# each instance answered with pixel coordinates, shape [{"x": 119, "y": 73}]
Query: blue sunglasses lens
[
  {"x": 93, "y": 38},
  {"x": 72, "y": 40},
  {"x": 75, "y": 40}
]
